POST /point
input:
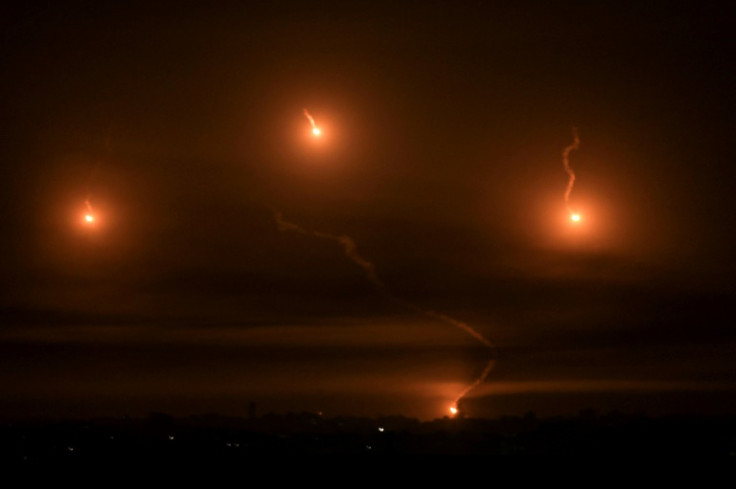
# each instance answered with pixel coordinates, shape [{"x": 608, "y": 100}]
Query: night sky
[{"x": 441, "y": 157}]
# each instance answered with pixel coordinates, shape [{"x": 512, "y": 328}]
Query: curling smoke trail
[
  {"x": 315, "y": 130},
  {"x": 346, "y": 243},
  {"x": 350, "y": 249},
  {"x": 566, "y": 162},
  {"x": 481, "y": 378}
]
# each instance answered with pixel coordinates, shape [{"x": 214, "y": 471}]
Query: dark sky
[{"x": 443, "y": 128}]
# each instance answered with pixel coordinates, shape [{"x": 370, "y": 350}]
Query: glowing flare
[
  {"x": 453, "y": 410},
  {"x": 89, "y": 218},
  {"x": 575, "y": 217},
  {"x": 316, "y": 131}
]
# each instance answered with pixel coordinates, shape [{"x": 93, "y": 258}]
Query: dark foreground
[{"x": 216, "y": 439}]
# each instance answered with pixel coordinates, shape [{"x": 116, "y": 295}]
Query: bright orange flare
[
  {"x": 89, "y": 218},
  {"x": 453, "y": 410},
  {"x": 316, "y": 131},
  {"x": 575, "y": 217}
]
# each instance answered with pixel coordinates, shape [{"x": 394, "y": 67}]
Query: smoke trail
[
  {"x": 311, "y": 119},
  {"x": 350, "y": 249},
  {"x": 88, "y": 188},
  {"x": 346, "y": 243},
  {"x": 458, "y": 324},
  {"x": 315, "y": 130},
  {"x": 566, "y": 162},
  {"x": 481, "y": 378},
  {"x": 89, "y": 213}
]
